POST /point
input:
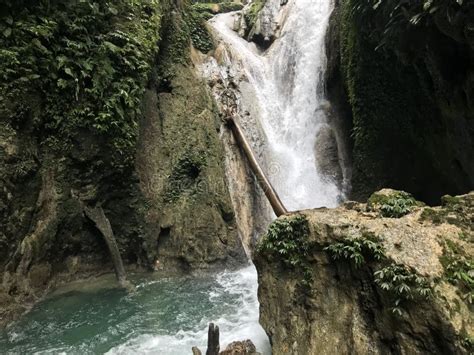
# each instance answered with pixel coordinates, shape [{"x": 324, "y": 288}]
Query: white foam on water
[
  {"x": 288, "y": 81},
  {"x": 237, "y": 321}
]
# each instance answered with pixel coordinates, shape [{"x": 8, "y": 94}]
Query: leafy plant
[
  {"x": 251, "y": 14},
  {"x": 394, "y": 205},
  {"x": 68, "y": 66},
  {"x": 357, "y": 250},
  {"x": 398, "y": 16},
  {"x": 459, "y": 270},
  {"x": 200, "y": 36},
  {"x": 402, "y": 284},
  {"x": 286, "y": 238}
]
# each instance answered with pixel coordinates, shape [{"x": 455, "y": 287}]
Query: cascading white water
[
  {"x": 287, "y": 85},
  {"x": 281, "y": 100}
]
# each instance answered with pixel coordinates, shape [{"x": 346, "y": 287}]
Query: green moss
[
  {"x": 86, "y": 63},
  {"x": 458, "y": 269},
  {"x": 251, "y": 14},
  {"x": 217, "y": 8},
  {"x": 432, "y": 215},
  {"x": 287, "y": 240},
  {"x": 456, "y": 211},
  {"x": 393, "y": 109},
  {"x": 184, "y": 175}
]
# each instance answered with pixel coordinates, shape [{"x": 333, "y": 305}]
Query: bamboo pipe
[{"x": 264, "y": 183}]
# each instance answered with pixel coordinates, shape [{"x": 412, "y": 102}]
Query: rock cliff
[
  {"x": 401, "y": 76},
  {"x": 389, "y": 276},
  {"x": 123, "y": 126}
]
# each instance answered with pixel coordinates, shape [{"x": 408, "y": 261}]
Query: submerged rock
[{"x": 357, "y": 280}]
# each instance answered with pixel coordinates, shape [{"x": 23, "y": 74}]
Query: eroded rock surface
[{"x": 363, "y": 282}]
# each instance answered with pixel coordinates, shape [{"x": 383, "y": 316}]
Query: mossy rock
[
  {"x": 218, "y": 8},
  {"x": 251, "y": 14},
  {"x": 455, "y": 210},
  {"x": 392, "y": 203}
]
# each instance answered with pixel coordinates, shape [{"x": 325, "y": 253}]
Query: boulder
[
  {"x": 240, "y": 348},
  {"x": 390, "y": 276}
]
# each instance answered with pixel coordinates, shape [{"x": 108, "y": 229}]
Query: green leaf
[
  {"x": 7, "y": 32},
  {"x": 113, "y": 11}
]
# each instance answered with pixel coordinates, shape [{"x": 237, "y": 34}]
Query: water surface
[{"x": 164, "y": 316}]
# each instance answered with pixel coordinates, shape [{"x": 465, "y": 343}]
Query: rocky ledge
[{"x": 388, "y": 276}]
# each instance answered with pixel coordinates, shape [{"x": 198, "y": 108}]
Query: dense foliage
[
  {"x": 398, "y": 16},
  {"x": 358, "y": 250},
  {"x": 403, "y": 285},
  {"x": 400, "y": 283},
  {"x": 286, "y": 239},
  {"x": 407, "y": 97},
  {"x": 459, "y": 269},
  {"x": 394, "y": 205},
  {"x": 68, "y": 65}
]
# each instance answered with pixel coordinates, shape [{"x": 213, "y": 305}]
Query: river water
[{"x": 165, "y": 316}]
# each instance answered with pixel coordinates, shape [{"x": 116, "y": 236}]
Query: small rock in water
[
  {"x": 245, "y": 347},
  {"x": 240, "y": 348}
]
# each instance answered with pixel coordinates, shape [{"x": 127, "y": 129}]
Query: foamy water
[
  {"x": 287, "y": 81},
  {"x": 164, "y": 316}
]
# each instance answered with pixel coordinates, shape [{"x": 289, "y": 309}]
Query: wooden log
[
  {"x": 97, "y": 215},
  {"x": 213, "y": 345},
  {"x": 264, "y": 183}
]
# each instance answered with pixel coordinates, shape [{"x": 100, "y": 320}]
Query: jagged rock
[
  {"x": 398, "y": 285},
  {"x": 264, "y": 21},
  {"x": 240, "y": 348},
  {"x": 245, "y": 347}
]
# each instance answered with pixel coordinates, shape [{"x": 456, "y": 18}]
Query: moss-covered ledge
[{"x": 377, "y": 283}]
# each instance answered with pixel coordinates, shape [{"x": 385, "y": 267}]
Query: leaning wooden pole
[
  {"x": 264, "y": 183},
  {"x": 97, "y": 215}
]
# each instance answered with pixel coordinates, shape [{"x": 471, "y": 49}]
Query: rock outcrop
[
  {"x": 389, "y": 276},
  {"x": 405, "y": 89},
  {"x": 164, "y": 191}
]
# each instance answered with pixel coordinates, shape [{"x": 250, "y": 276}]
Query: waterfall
[
  {"x": 282, "y": 100},
  {"x": 278, "y": 95}
]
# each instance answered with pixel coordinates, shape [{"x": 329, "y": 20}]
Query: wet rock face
[
  {"x": 373, "y": 278},
  {"x": 262, "y": 21},
  {"x": 327, "y": 155},
  {"x": 191, "y": 222},
  {"x": 410, "y": 107}
]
